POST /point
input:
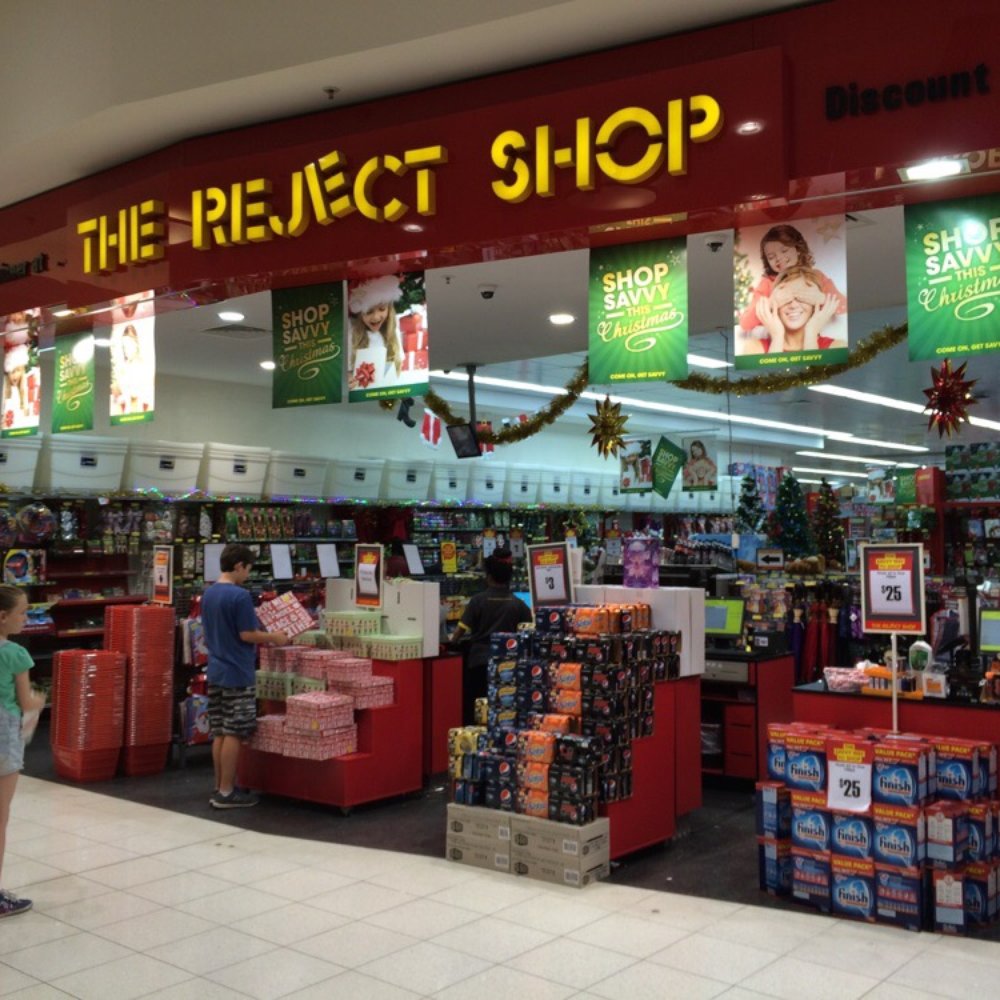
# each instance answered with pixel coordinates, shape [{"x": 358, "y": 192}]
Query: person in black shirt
[{"x": 495, "y": 609}]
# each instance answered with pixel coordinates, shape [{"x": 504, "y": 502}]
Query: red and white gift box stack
[
  {"x": 319, "y": 726},
  {"x": 281, "y": 659},
  {"x": 145, "y": 634},
  {"x": 270, "y": 735},
  {"x": 285, "y": 614},
  {"x": 353, "y": 676}
]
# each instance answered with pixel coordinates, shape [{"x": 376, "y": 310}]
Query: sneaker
[
  {"x": 10, "y": 905},
  {"x": 236, "y": 799}
]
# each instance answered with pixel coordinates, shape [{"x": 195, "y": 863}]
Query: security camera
[
  {"x": 714, "y": 243},
  {"x": 487, "y": 291}
]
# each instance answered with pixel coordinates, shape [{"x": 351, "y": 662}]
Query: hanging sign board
[
  {"x": 667, "y": 461},
  {"x": 368, "y": 576},
  {"x": 308, "y": 339},
  {"x": 163, "y": 574},
  {"x": 549, "y": 578},
  {"x": 892, "y": 588}
]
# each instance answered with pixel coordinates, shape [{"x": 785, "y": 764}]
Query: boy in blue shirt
[{"x": 231, "y": 633}]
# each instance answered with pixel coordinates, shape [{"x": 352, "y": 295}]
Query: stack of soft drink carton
[{"x": 921, "y": 853}]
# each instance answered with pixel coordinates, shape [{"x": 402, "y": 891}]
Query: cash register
[{"x": 725, "y": 655}]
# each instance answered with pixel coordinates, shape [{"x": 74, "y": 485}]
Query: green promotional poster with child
[
  {"x": 638, "y": 313},
  {"x": 790, "y": 294},
  {"x": 953, "y": 277},
  {"x": 308, "y": 324}
]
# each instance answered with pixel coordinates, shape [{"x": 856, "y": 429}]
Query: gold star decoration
[
  {"x": 949, "y": 398},
  {"x": 608, "y": 427}
]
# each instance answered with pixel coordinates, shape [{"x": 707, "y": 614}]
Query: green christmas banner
[
  {"x": 789, "y": 294},
  {"x": 638, "y": 313},
  {"x": 953, "y": 277},
  {"x": 73, "y": 406},
  {"x": 308, "y": 343},
  {"x": 668, "y": 459},
  {"x": 133, "y": 360}
]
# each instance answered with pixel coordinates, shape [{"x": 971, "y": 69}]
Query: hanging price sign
[
  {"x": 892, "y": 588},
  {"x": 548, "y": 574},
  {"x": 849, "y": 775}
]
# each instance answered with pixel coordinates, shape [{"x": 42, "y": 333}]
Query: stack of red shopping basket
[
  {"x": 88, "y": 712},
  {"x": 145, "y": 634}
]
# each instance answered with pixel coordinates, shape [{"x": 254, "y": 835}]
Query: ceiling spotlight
[
  {"x": 231, "y": 316},
  {"x": 268, "y": 366},
  {"x": 750, "y": 127},
  {"x": 412, "y": 227},
  {"x": 562, "y": 319},
  {"x": 62, "y": 312}
]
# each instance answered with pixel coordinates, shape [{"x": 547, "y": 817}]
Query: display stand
[
  {"x": 389, "y": 760},
  {"x": 687, "y": 744},
  {"x": 442, "y": 709}
]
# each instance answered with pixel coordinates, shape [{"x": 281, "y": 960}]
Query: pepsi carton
[
  {"x": 811, "y": 877},
  {"x": 774, "y": 810},
  {"x": 501, "y": 672},
  {"x": 901, "y": 896},
  {"x": 509, "y": 645},
  {"x": 851, "y": 835},
  {"x": 899, "y": 772},
  {"x": 899, "y": 835},
  {"x": 805, "y": 761},
  {"x": 852, "y": 887},
  {"x": 774, "y": 866},
  {"x": 947, "y": 833},
  {"x": 810, "y": 821}
]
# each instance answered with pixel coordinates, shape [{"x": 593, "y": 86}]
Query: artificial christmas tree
[
  {"x": 750, "y": 513},
  {"x": 787, "y": 527},
  {"x": 827, "y": 527}
]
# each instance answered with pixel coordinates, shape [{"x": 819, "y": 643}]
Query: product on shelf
[{"x": 921, "y": 852}]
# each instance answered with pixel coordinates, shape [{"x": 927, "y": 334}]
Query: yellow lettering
[
  {"x": 428, "y": 156},
  {"x": 648, "y": 164},
  {"x": 133, "y": 235},
  {"x": 504, "y": 152}
]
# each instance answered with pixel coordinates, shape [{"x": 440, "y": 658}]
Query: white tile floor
[{"x": 132, "y": 901}]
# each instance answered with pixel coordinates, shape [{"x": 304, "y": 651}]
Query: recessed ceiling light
[
  {"x": 811, "y": 482},
  {"x": 934, "y": 170},
  {"x": 268, "y": 366},
  {"x": 562, "y": 319},
  {"x": 872, "y": 443},
  {"x": 751, "y": 127},
  {"x": 102, "y": 341},
  {"x": 413, "y": 227},
  {"x": 860, "y": 459},
  {"x": 699, "y": 361},
  {"x": 831, "y": 473},
  {"x": 62, "y": 313},
  {"x": 231, "y": 316}
]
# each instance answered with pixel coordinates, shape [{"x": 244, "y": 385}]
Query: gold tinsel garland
[{"x": 757, "y": 385}]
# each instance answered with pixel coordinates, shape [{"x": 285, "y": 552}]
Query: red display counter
[
  {"x": 810, "y": 703},
  {"x": 442, "y": 709},
  {"x": 389, "y": 760}
]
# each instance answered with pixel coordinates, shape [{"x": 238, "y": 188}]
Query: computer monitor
[
  {"x": 989, "y": 630},
  {"x": 724, "y": 618}
]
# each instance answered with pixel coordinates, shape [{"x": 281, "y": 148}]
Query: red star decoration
[{"x": 949, "y": 398}]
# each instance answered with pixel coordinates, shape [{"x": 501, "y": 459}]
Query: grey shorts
[
  {"x": 11, "y": 744},
  {"x": 232, "y": 711}
]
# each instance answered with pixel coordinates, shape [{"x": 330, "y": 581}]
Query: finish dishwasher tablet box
[
  {"x": 852, "y": 887},
  {"x": 900, "y": 837},
  {"x": 810, "y": 821},
  {"x": 811, "y": 877},
  {"x": 851, "y": 834},
  {"x": 947, "y": 833},
  {"x": 957, "y": 769},
  {"x": 774, "y": 866},
  {"x": 901, "y": 896},
  {"x": 774, "y": 810},
  {"x": 900, "y": 772},
  {"x": 805, "y": 761}
]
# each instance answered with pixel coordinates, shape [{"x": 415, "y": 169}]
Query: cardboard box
[
  {"x": 949, "y": 902},
  {"x": 774, "y": 810},
  {"x": 851, "y": 834},
  {"x": 559, "y": 872},
  {"x": 980, "y": 846},
  {"x": 811, "y": 878},
  {"x": 478, "y": 854},
  {"x": 478, "y": 825},
  {"x": 774, "y": 866},
  {"x": 947, "y": 833},
  {"x": 852, "y": 887},
  {"x": 901, "y": 896},
  {"x": 777, "y": 734},
  {"x": 810, "y": 821},
  {"x": 979, "y": 893},
  {"x": 900, "y": 772},
  {"x": 957, "y": 769},
  {"x": 805, "y": 761},
  {"x": 544, "y": 838},
  {"x": 900, "y": 837}
]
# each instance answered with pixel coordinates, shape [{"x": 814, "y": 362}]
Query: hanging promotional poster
[
  {"x": 387, "y": 347},
  {"x": 638, "y": 313},
  {"x": 549, "y": 577},
  {"x": 668, "y": 459},
  {"x": 73, "y": 406},
  {"x": 636, "y": 459},
  {"x": 790, "y": 293},
  {"x": 308, "y": 345},
  {"x": 22, "y": 376},
  {"x": 163, "y": 574},
  {"x": 953, "y": 277},
  {"x": 892, "y": 588},
  {"x": 133, "y": 359},
  {"x": 700, "y": 472}
]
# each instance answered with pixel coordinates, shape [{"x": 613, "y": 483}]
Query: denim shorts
[{"x": 11, "y": 744}]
